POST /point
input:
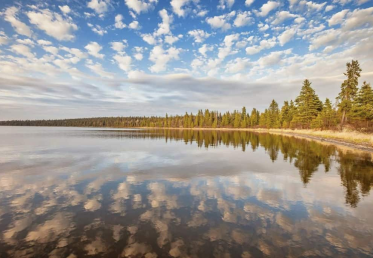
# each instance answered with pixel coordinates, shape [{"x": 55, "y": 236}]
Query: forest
[{"x": 353, "y": 107}]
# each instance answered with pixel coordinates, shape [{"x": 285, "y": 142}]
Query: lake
[{"x": 83, "y": 192}]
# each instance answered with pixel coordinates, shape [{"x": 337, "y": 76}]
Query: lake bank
[{"x": 350, "y": 139}]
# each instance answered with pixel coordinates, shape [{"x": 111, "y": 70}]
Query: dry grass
[{"x": 345, "y": 135}]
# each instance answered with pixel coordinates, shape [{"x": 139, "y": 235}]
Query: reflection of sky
[{"x": 69, "y": 193}]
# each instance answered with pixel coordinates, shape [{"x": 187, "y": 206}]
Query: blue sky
[{"x": 71, "y": 58}]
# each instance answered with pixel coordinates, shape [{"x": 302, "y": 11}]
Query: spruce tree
[
  {"x": 308, "y": 105},
  {"x": 349, "y": 89},
  {"x": 363, "y": 104}
]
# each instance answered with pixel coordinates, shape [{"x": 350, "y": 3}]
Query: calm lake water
[{"x": 76, "y": 192}]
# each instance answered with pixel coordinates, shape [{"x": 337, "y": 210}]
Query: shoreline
[{"x": 321, "y": 136}]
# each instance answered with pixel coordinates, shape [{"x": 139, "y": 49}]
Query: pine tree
[
  {"x": 363, "y": 104},
  {"x": 308, "y": 105},
  {"x": 237, "y": 120},
  {"x": 328, "y": 115},
  {"x": 349, "y": 89},
  {"x": 273, "y": 115}
]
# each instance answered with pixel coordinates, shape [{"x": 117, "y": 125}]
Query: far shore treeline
[{"x": 353, "y": 107}]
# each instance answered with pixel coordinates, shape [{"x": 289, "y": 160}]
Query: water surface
[{"x": 77, "y": 192}]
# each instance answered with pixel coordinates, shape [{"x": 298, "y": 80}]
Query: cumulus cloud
[
  {"x": 22, "y": 50},
  {"x": 221, "y": 21},
  {"x": 134, "y": 25},
  {"x": 337, "y": 18},
  {"x": 99, "y": 6},
  {"x": 3, "y": 38},
  {"x": 97, "y": 29},
  {"x": 160, "y": 57},
  {"x": 94, "y": 49},
  {"x": 267, "y": 8},
  {"x": 282, "y": 16},
  {"x": 181, "y": 7},
  {"x": 225, "y": 4},
  {"x": 286, "y": 36},
  {"x": 10, "y": 15},
  {"x": 204, "y": 49},
  {"x": 264, "y": 44},
  {"x": 359, "y": 18},
  {"x": 249, "y": 2},
  {"x": 98, "y": 69},
  {"x": 53, "y": 24},
  {"x": 123, "y": 61},
  {"x": 119, "y": 22},
  {"x": 243, "y": 19},
  {"x": 199, "y": 35},
  {"x": 65, "y": 9},
  {"x": 140, "y": 6}
]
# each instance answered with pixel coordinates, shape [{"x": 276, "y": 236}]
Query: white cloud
[
  {"x": 273, "y": 58},
  {"x": 249, "y": 2},
  {"x": 328, "y": 8},
  {"x": 161, "y": 57},
  {"x": 51, "y": 49},
  {"x": 225, "y": 3},
  {"x": 10, "y": 15},
  {"x": 313, "y": 6},
  {"x": 282, "y": 16},
  {"x": 97, "y": 29},
  {"x": 243, "y": 19},
  {"x": 123, "y": 61},
  {"x": 267, "y": 8},
  {"x": 98, "y": 69},
  {"x": 171, "y": 39},
  {"x": 286, "y": 36},
  {"x": 140, "y": 5},
  {"x": 199, "y": 35},
  {"x": 3, "y": 38},
  {"x": 138, "y": 55},
  {"x": 237, "y": 65},
  {"x": 264, "y": 44},
  {"x": 359, "y": 18},
  {"x": 221, "y": 22},
  {"x": 118, "y": 46},
  {"x": 226, "y": 50},
  {"x": 164, "y": 27},
  {"x": 53, "y": 24},
  {"x": 94, "y": 49},
  {"x": 148, "y": 38},
  {"x": 65, "y": 9},
  {"x": 324, "y": 38},
  {"x": 118, "y": 22},
  {"x": 337, "y": 18},
  {"x": 204, "y": 49},
  {"x": 99, "y": 6},
  {"x": 177, "y": 7},
  {"x": 134, "y": 25},
  {"x": 22, "y": 50},
  {"x": 44, "y": 42},
  {"x": 26, "y": 42}
]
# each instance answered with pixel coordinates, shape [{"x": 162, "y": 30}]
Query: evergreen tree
[
  {"x": 349, "y": 89},
  {"x": 273, "y": 115},
  {"x": 308, "y": 105},
  {"x": 363, "y": 105}
]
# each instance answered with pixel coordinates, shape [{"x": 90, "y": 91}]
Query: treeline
[{"x": 353, "y": 106}]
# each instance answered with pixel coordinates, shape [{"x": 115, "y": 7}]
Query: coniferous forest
[{"x": 353, "y": 107}]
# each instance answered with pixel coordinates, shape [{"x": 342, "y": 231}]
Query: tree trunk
[{"x": 343, "y": 117}]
